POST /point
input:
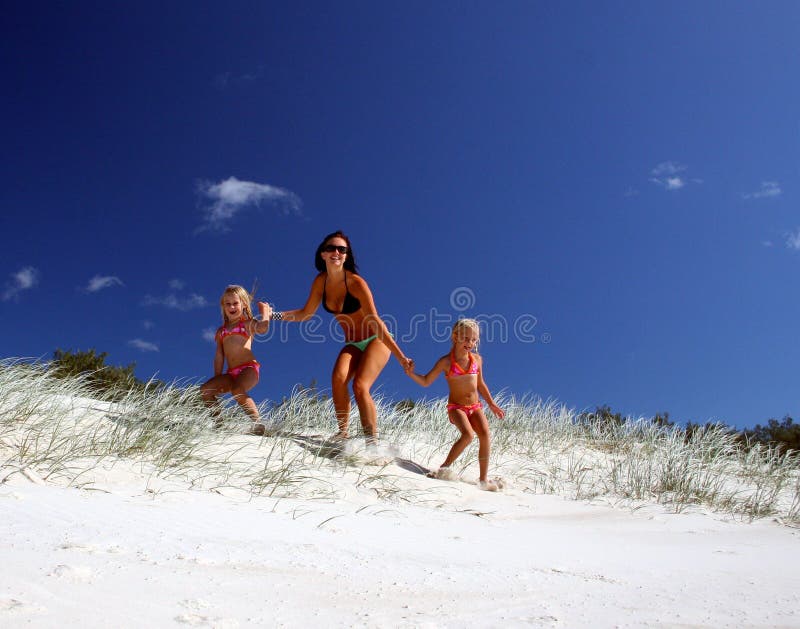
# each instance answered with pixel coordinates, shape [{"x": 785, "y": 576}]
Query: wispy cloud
[
  {"x": 24, "y": 279},
  {"x": 177, "y": 302},
  {"x": 793, "y": 240},
  {"x": 668, "y": 168},
  {"x": 144, "y": 346},
  {"x": 671, "y": 176},
  {"x": 228, "y": 79},
  {"x": 769, "y": 189},
  {"x": 209, "y": 334},
  {"x": 673, "y": 183},
  {"x": 148, "y": 325},
  {"x": 224, "y": 200},
  {"x": 99, "y": 282}
]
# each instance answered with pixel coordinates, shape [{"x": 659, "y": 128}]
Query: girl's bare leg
[
  {"x": 480, "y": 425},
  {"x": 213, "y": 389},
  {"x": 343, "y": 371},
  {"x": 372, "y": 362},
  {"x": 459, "y": 419},
  {"x": 241, "y": 385}
]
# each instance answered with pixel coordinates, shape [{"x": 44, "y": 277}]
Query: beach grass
[{"x": 62, "y": 431}]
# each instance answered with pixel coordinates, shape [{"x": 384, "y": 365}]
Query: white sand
[
  {"x": 142, "y": 550},
  {"x": 125, "y": 556}
]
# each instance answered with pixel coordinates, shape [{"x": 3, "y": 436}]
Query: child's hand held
[{"x": 265, "y": 310}]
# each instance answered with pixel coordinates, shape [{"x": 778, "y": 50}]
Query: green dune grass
[{"x": 59, "y": 430}]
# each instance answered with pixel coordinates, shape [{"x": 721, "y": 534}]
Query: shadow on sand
[{"x": 335, "y": 448}]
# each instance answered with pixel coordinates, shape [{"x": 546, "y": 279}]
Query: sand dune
[
  {"x": 125, "y": 543},
  {"x": 123, "y": 557}
]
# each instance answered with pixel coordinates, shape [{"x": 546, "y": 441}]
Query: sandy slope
[{"x": 126, "y": 557}]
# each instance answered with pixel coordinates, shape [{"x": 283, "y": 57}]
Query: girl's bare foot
[
  {"x": 488, "y": 485},
  {"x": 339, "y": 436}
]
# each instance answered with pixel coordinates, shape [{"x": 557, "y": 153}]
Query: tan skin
[
  {"x": 362, "y": 368},
  {"x": 464, "y": 390},
  {"x": 236, "y": 350}
]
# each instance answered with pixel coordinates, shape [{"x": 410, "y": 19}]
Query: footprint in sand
[
  {"x": 196, "y": 618},
  {"x": 81, "y": 574},
  {"x": 83, "y": 548},
  {"x": 196, "y": 604},
  {"x": 193, "y": 620},
  {"x": 13, "y": 606},
  {"x": 91, "y": 550}
]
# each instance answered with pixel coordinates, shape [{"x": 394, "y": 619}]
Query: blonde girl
[
  {"x": 463, "y": 369},
  {"x": 234, "y": 339}
]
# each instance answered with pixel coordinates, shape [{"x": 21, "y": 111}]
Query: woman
[{"x": 346, "y": 295}]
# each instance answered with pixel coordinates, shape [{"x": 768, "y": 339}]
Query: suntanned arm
[
  {"x": 428, "y": 378},
  {"x": 360, "y": 290},
  {"x": 485, "y": 394},
  {"x": 219, "y": 358}
]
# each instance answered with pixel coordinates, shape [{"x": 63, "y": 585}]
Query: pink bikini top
[
  {"x": 239, "y": 329},
  {"x": 456, "y": 370}
]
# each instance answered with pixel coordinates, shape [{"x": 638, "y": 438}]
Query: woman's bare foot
[{"x": 488, "y": 485}]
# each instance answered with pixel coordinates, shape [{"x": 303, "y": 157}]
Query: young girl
[
  {"x": 234, "y": 339},
  {"x": 464, "y": 372}
]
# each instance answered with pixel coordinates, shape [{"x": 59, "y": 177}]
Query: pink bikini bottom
[
  {"x": 469, "y": 410},
  {"x": 235, "y": 371}
]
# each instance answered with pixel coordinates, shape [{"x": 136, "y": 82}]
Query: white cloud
[
  {"x": 793, "y": 240},
  {"x": 668, "y": 176},
  {"x": 148, "y": 325},
  {"x": 144, "y": 346},
  {"x": 668, "y": 168},
  {"x": 24, "y": 279},
  {"x": 210, "y": 335},
  {"x": 224, "y": 200},
  {"x": 99, "y": 282},
  {"x": 769, "y": 189},
  {"x": 176, "y": 284},
  {"x": 670, "y": 183},
  {"x": 176, "y": 302}
]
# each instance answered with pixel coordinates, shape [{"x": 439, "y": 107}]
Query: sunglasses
[{"x": 332, "y": 248}]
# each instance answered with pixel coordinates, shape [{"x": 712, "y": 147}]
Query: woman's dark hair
[{"x": 349, "y": 261}]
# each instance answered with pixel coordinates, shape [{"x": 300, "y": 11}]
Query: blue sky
[{"x": 611, "y": 186}]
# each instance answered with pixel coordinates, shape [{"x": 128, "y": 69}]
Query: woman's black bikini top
[{"x": 349, "y": 306}]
